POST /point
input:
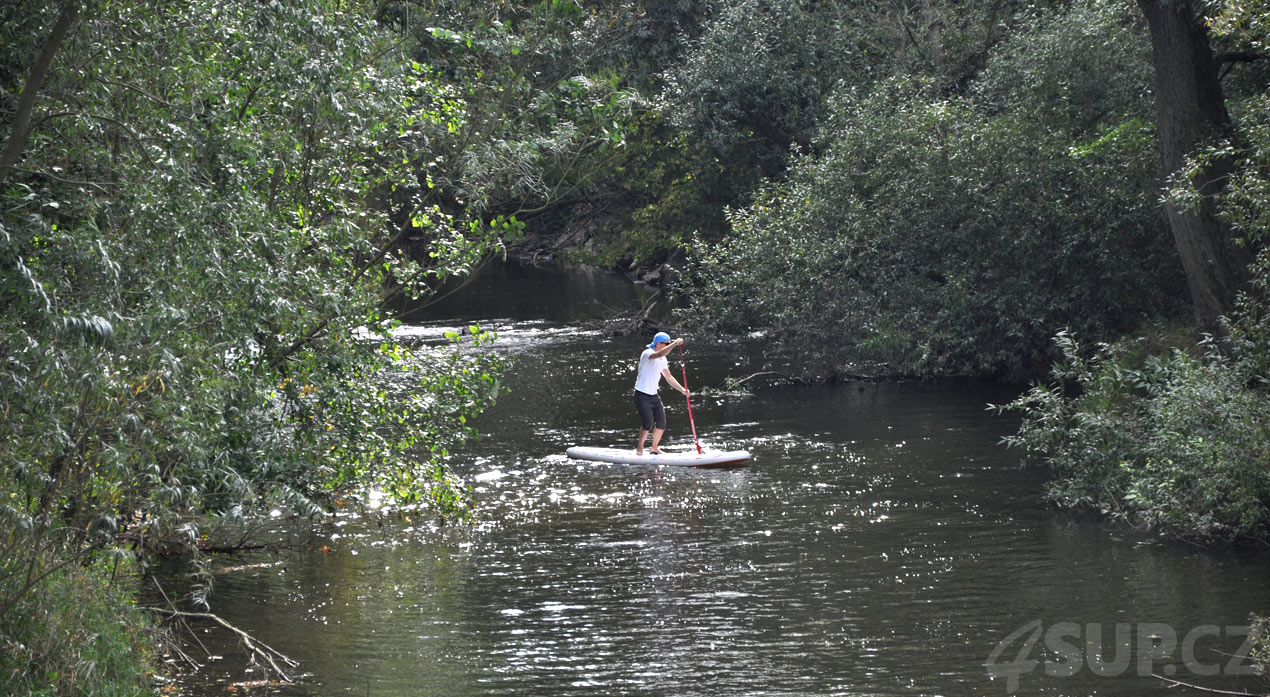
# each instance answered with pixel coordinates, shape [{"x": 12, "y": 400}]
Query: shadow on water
[
  {"x": 517, "y": 292},
  {"x": 880, "y": 542}
]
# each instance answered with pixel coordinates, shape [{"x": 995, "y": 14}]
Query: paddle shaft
[{"x": 683, "y": 365}]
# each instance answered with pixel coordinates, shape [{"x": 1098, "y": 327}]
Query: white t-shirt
[{"x": 649, "y": 378}]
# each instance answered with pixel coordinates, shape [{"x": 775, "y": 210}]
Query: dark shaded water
[{"x": 880, "y": 542}]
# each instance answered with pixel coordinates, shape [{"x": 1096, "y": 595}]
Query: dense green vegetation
[
  {"x": 206, "y": 206},
  {"x": 933, "y": 235},
  {"x": 79, "y": 635},
  {"x": 1174, "y": 442},
  {"x": 955, "y": 231},
  {"x": 203, "y": 215},
  {"x": 1175, "y": 439},
  {"x": 1178, "y": 439}
]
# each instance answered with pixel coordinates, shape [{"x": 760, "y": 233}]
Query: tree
[
  {"x": 929, "y": 237},
  {"x": 1191, "y": 116},
  {"x": 18, "y": 128},
  {"x": 194, "y": 255},
  {"x": 1178, "y": 440},
  {"x": 532, "y": 112}
]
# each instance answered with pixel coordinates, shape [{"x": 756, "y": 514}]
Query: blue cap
[{"x": 660, "y": 338}]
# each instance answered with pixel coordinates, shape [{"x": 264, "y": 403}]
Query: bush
[
  {"x": 1074, "y": 67},
  {"x": 78, "y": 634},
  {"x": 1180, "y": 444},
  {"x": 1260, "y": 654},
  {"x": 933, "y": 238}
]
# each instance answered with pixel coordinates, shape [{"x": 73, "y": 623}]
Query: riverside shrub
[
  {"x": 80, "y": 635},
  {"x": 931, "y": 237},
  {"x": 1179, "y": 443}
]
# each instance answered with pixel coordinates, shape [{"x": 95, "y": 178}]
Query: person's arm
[
  {"x": 659, "y": 353},
  {"x": 670, "y": 378}
]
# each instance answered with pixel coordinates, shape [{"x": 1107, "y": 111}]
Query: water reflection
[{"x": 879, "y": 543}]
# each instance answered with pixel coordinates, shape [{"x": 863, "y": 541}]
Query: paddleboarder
[{"x": 653, "y": 366}]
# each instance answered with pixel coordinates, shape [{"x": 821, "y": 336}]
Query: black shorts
[{"x": 651, "y": 412}]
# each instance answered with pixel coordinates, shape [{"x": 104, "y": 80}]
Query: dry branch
[
  {"x": 1179, "y": 683},
  {"x": 256, "y": 649}
]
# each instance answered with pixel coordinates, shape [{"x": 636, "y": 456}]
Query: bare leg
[
  {"x": 656, "y": 440},
  {"x": 643, "y": 436}
]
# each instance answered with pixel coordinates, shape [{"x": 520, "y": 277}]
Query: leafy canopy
[{"x": 194, "y": 254}]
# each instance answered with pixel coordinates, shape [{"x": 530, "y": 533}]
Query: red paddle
[{"x": 684, "y": 366}]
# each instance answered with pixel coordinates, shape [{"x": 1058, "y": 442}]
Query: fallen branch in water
[
  {"x": 731, "y": 383},
  {"x": 245, "y": 567},
  {"x": 625, "y": 322},
  {"x": 256, "y": 649},
  {"x": 1179, "y": 683},
  {"x": 836, "y": 379}
]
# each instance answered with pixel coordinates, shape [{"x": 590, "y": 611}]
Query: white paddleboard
[{"x": 625, "y": 456}]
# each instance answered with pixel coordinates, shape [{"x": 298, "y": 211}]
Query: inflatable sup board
[{"x": 625, "y": 456}]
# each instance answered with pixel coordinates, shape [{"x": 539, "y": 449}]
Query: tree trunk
[
  {"x": 1192, "y": 114},
  {"x": 16, "y": 142}
]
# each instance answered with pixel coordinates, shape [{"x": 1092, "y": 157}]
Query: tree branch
[
  {"x": 1240, "y": 57},
  {"x": 101, "y": 189},
  {"x": 1178, "y": 683},
  {"x": 34, "y": 83},
  {"x": 255, "y": 648},
  {"x": 1226, "y": 61}
]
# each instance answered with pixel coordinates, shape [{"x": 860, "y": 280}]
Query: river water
[{"x": 879, "y": 542}]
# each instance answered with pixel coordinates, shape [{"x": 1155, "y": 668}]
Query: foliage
[
  {"x": 1260, "y": 654},
  {"x": 1246, "y": 208},
  {"x": 733, "y": 86},
  {"x": 662, "y": 190},
  {"x": 760, "y": 72},
  {"x": 1176, "y": 443},
  {"x": 1077, "y": 68},
  {"x": 81, "y": 635},
  {"x": 931, "y": 237},
  {"x": 744, "y": 84},
  {"x": 553, "y": 123},
  {"x": 748, "y": 89},
  {"x": 1240, "y": 32},
  {"x": 653, "y": 37},
  {"x": 194, "y": 254},
  {"x": 773, "y": 97},
  {"x": 1245, "y": 203},
  {"x": 533, "y": 108}
]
